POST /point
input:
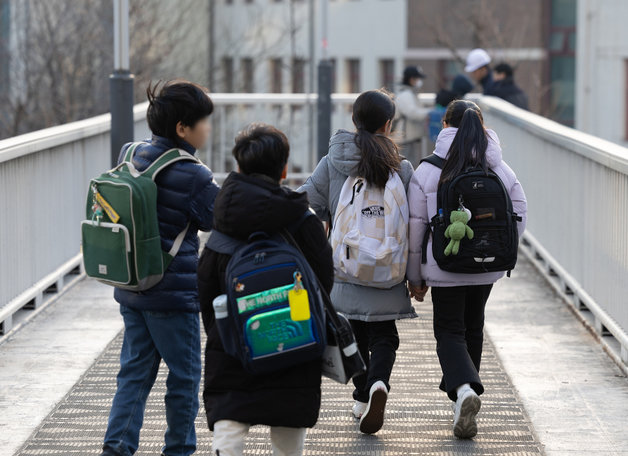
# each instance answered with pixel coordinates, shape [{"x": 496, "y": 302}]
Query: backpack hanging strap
[
  {"x": 426, "y": 240},
  {"x": 176, "y": 245}
]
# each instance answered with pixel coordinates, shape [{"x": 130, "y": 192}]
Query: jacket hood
[
  {"x": 344, "y": 154},
  {"x": 493, "y": 150},
  {"x": 250, "y": 203}
]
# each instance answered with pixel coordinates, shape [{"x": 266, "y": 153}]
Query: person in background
[
  {"x": 504, "y": 86},
  {"x": 411, "y": 115},
  {"x": 478, "y": 67},
  {"x": 460, "y": 87}
]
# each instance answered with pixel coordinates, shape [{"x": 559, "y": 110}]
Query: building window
[
  {"x": 298, "y": 75},
  {"x": 387, "y": 73},
  {"x": 227, "y": 74},
  {"x": 353, "y": 75},
  {"x": 276, "y": 80},
  {"x": 247, "y": 75},
  {"x": 562, "y": 60}
]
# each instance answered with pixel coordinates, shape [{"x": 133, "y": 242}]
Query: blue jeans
[{"x": 150, "y": 337}]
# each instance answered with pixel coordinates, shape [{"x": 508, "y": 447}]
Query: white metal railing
[
  {"x": 43, "y": 183},
  {"x": 577, "y": 190},
  {"x": 44, "y": 177},
  {"x": 577, "y": 187}
]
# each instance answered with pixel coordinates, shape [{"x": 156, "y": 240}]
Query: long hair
[
  {"x": 379, "y": 153},
  {"x": 468, "y": 148}
]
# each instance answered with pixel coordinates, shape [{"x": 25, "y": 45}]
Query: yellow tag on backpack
[{"x": 298, "y": 300}]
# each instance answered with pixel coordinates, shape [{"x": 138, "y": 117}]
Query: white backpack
[{"x": 370, "y": 233}]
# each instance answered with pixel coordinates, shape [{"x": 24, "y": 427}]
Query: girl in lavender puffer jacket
[{"x": 458, "y": 299}]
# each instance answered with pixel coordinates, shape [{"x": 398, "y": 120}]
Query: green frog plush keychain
[{"x": 458, "y": 229}]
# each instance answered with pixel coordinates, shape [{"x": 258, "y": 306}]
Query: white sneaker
[
  {"x": 373, "y": 418},
  {"x": 359, "y": 408},
  {"x": 466, "y": 408}
]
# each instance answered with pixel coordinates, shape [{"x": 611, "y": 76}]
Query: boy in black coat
[{"x": 253, "y": 200}]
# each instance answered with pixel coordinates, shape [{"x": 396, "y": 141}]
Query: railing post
[
  {"x": 121, "y": 82},
  {"x": 324, "y": 107}
]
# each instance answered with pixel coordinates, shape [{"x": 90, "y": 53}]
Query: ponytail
[
  {"x": 379, "y": 153},
  {"x": 468, "y": 148},
  {"x": 380, "y": 157}
]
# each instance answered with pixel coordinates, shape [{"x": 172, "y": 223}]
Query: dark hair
[
  {"x": 444, "y": 97},
  {"x": 262, "y": 149},
  {"x": 379, "y": 153},
  {"x": 411, "y": 72},
  {"x": 505, "y": 69},
  {"x": 468, "y": 148},
  {"x": 173, "y": 102}
]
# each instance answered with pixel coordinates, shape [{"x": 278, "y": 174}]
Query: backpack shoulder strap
[
  {"x": 166, "y": 159},
  {"x": 221, "y": 243},
  {"x": 294, "y": 227},
  {"x": 434, "y": 160},
  {"x": 130, "y": 151}
]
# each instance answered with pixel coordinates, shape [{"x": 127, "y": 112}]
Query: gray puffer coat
[{"x": 323, "y": 188}]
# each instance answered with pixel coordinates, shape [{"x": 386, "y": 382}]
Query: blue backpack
[{"x": 273, "y": 314}]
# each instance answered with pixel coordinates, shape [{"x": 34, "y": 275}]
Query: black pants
[
  {"x": 378, "y": 342},
  {"x": 459, "y": 333}
]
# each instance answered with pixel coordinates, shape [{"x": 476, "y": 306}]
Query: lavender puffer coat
[{"x": 422, "y": 201}]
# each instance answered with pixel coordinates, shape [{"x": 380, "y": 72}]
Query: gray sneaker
[{"x": 466, "y": 408}]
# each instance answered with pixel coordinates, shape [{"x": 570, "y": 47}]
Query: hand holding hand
[{"x": 418, "y": 292}]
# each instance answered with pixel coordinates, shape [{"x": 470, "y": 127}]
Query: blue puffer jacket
[{"x": 186, "y": 193}]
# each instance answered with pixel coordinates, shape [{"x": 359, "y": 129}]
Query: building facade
[
  {"x": 602, "y": 69},
  {"x": 537, "y": 37},
  {"x": 268, "y": 45}
]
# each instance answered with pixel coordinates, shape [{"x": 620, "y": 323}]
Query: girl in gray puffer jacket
[{"x": 371, "y": 154}]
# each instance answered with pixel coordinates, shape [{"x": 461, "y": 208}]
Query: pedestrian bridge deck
[{"x": 418, "y": 420}]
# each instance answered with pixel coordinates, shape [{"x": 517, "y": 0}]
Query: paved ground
[
  {"x": 575, "y": 396},
  {"x": 45, "y": 358},
  {"x": 418, "y": 420}
]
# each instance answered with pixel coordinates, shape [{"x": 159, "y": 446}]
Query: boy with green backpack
[{"x": 140, "y": 236}]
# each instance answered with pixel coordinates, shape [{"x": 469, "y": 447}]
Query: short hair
[
  {"x": 262, "y": 149},
  {"x": 176, "y": 101},
  {"x": 505, "y": 69}
]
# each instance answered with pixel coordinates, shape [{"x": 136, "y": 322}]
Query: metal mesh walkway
[{"x": 418, "y": 419}]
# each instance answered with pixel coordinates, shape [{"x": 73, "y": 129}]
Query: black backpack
[{"x": 496, "y": 239}]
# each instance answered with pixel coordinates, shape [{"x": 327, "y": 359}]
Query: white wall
[
  {"x": 368, "y": 30},
  {"x": 602, "y": 47}
]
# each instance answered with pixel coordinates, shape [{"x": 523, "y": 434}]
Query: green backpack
[{"x": 120, "y": 238}]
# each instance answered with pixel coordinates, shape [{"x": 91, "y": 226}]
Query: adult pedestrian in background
[
  {"x": 411, "y": 116},
  {"x": 478, "y": 67},
  {"x": 504, "y": 86}
]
